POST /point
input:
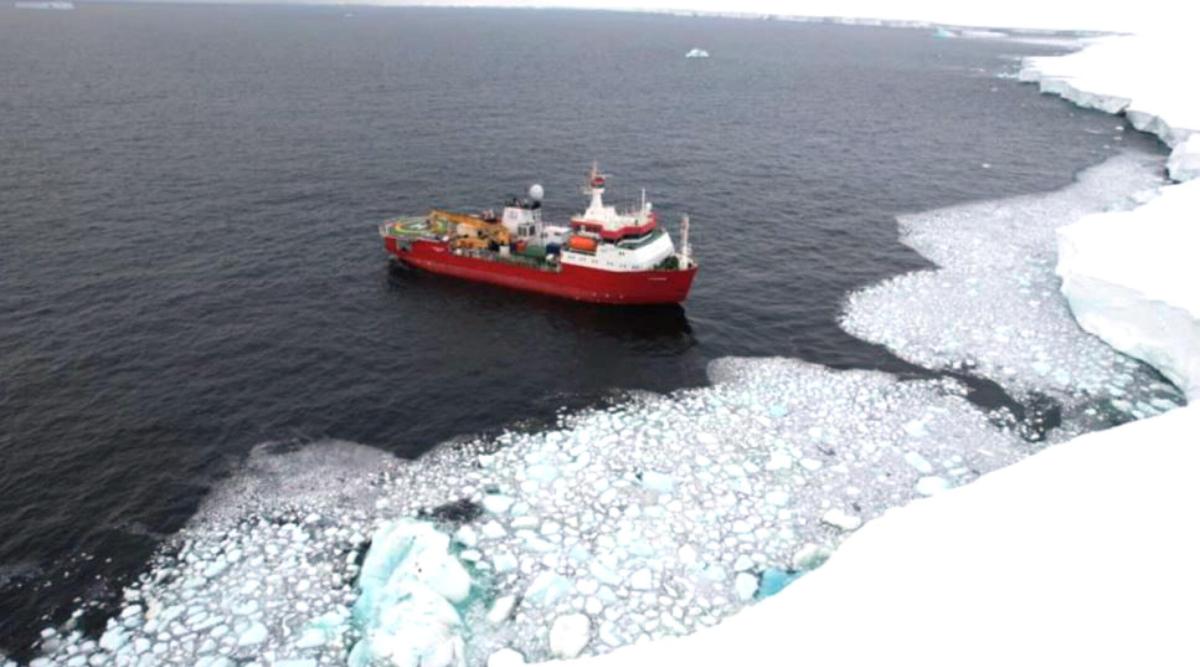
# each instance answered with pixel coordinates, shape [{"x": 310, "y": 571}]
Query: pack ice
[
  {"x": 1080, "y": 554},
  {"x": 993, "y": 308},
  {"x": 650, "y": 518}
]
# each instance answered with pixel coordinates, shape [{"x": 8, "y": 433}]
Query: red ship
[{"x": 602, "y": 256}]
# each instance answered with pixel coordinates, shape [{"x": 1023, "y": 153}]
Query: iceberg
[
  {"x": 59, "y": 5},
  {"x": 410, "y": 588},
  {"x": 696, "y": 53}
]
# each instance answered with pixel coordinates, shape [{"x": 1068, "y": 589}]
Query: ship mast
[{"x": 685, "y": 247}]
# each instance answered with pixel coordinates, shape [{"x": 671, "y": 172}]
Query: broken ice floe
[
  {"x": 646, "y": 519},
  {"x": 993, "y": 308}
]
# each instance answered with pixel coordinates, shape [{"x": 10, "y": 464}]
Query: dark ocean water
[{"x": 189, "y": 264}]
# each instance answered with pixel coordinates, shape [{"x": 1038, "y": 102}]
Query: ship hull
[{"x": 566, "y": 281}]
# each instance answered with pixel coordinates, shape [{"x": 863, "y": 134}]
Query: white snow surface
[
  {"x": 1146, "y": 76},
  {"x": 1082, "y": 554},
  {"x": 1132, "y": 279}
]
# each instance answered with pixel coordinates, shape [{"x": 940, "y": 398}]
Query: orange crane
[{"x": 486, "y": 231}]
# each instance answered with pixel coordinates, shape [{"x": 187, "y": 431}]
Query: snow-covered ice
[
  {"x": 1143, "y": 76},
  {"x": 1131, "y": 277},
  {"x": 1081, "y": 554},
  {"x": 993, "y": 308},
  {"x": 1136, "y": 292}
]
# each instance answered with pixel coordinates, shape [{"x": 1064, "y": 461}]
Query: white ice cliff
[
  {"x": 1131, "y": 278},
  {"x": 1138, "y": 294}
]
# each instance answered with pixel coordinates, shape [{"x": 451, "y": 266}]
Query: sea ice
[
  {"x": 569, "y": 635},
  {"x": 993, "y": 307},
  {"x": 596, "y": 537},
  {"x": 938, "y": 579}
]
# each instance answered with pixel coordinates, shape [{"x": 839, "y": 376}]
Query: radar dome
[{"x": 536, "y": 192}]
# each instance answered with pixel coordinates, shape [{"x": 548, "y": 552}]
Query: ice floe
[{"x": 993, "y": 308}]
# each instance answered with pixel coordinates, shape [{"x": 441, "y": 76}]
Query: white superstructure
[{"x": 603, "y": 238}]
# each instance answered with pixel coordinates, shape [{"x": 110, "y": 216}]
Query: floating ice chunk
[
  {"x": 547, "y": 588},
  {"x": 777, "y": 497},
  {"x": 745, "y": 584},
  {"x": 915, "y": 428},
  {"x": 656, "y": 481},
  {"x": 501, "y": 609},
  {"x": 687, "y": 554},
  {"x": 931, "y": 485},
  {"x": 542, "y": 472},
  {"x": 779, "y": 461},
  {"x": 311, "y": 638},
  {"x": 113, "y": 639},
  {"x": 841, "y": 519},
  {"x": 253, "y": 635},
  {"x": 579, "y": 554},
  {"x": 506, "y": 657},
  {"x": 466, "y": 536},
  {"x": 497, "y": 504},
  {"x": 774, "y": 580},
  {"x": 419, "y": 627},
  {"x": 493, "y": 530},
  {"x": 408, "y": 586},
  {"x": 919, "y": 462},
  {"x": 504, "y": 561},
  {"x": 1184, "y": 163},
  {"x": 642, "y": 580},
  {"x": 569, "y": 635}
]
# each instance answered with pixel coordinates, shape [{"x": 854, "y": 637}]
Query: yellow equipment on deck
[{"x": 486, "y": 231}]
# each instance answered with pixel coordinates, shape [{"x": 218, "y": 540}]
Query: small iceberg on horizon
[
  {"x": 53, "y": 4},
  {"x": 943, "y": 33},
  {"x": 696, "y": 53}
]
